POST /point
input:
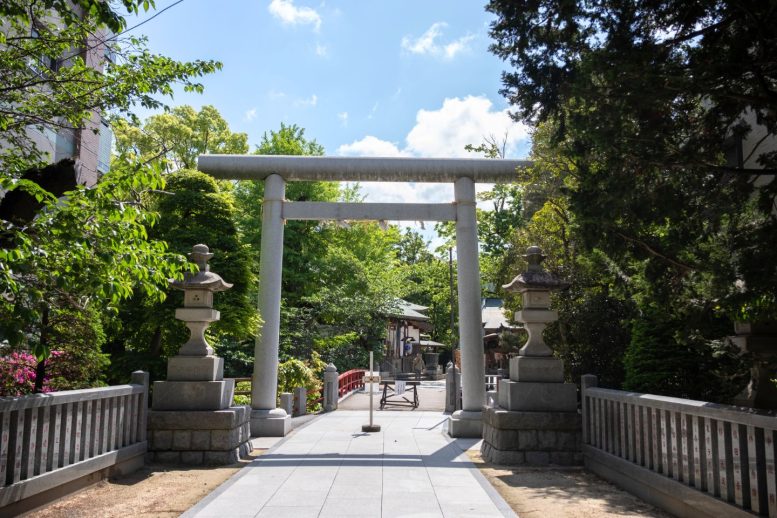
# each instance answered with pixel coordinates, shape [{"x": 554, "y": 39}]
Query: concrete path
[{"x": 329, "y": 468}]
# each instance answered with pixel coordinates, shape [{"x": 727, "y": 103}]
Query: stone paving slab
[{"x": 330, "y": 468}]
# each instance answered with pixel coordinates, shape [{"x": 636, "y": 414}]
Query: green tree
[
  {"x": 192, "y": 209},
  {"x": 303, "y": 240},
  {"x": 179, "y": 136},
  {"x": 657, "y": 203},
  {"x": 652, "y": 177},
  {"x": 89, "y": 249}
]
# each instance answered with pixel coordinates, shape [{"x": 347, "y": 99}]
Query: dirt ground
[
  {"x": 561, "y": 492},
  {"x": 153, "y": 491}
]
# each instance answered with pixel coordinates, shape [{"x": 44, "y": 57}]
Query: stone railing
[
  {"x": 686, "y": 456},
  {"x": 53, "y": 439}
]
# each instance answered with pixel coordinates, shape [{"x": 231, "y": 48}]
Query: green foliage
[
  {"x": 238, "y": 356},
  {"x": 592, "y": 335},
  {"x": 78, "y": 337},
  {"x": 426, "y": 281},
  {"x": 651, "y": 179},
  {"x": 90, "y": 249},
  {"x": 242, "y": 399},
  {"x": 295, "y": 373},
  {"x": 179, "y": 137},
  {"x": 288, "y": 140}
]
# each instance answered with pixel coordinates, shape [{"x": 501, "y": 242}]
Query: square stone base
[
  {"x": 193, "y": 395},
  {"x": 545, "y": 369},
  {"x": 199, "y": 437},
  {"x": 195, "y": 368},
  {"x": 532, "y": 438},
  {"x": 269, "y": 425},
  {"x": 463, "y": 424},
  {"x": 537, "y": 397}
]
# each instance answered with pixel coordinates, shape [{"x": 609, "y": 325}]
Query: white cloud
[
  {"x": 427, "y": 43},
  {"x": 424, "y": 44},
  {"x": 321, "y": 50},
  {"x": 289, "y": 14},
  {"x": 457, "y": 46},
  {"x": 343, "y": 116},
  {"x": 310, "y": 101},
  {"x": 369, "y": 146},
  {"x": 250, "y": 114},
  {"x": 444, "y": 132}
]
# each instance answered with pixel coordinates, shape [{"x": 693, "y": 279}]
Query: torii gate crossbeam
[{"x": 266, "y": 419}]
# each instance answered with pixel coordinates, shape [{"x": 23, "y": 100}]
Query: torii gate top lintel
[{"x": 360, "y": 169}]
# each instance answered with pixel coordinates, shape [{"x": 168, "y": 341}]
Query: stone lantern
[
  {"x": 197, "y": 311},
  {"x": 535, "y": 361},
  {"x": 192, "y": 418},
  {"x": 536, "y": 420}
]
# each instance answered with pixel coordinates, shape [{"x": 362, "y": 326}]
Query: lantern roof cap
[{"x": 204, "y": 279}]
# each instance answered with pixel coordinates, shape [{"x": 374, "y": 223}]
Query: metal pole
[
  {"x": 371, "y": 389},
  {"x": 372, "y": 427}
]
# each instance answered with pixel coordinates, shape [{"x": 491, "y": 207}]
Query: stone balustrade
[
  {"x": 57, "y": 438},
  {"x": 643, "y": 442}
]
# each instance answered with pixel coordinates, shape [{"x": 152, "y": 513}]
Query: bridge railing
[
  {"x": 51, "y": 439},
  {"x": 722, "y": 451},
  {"x": 349, "y": 381}
]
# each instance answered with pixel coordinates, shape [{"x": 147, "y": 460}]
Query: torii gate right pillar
[{"x": 467, "y": 421}]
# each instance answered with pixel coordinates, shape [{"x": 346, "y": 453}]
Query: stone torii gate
[{"x": 266, "y": 419}]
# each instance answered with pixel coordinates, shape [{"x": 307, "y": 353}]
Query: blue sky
[{"x": 380, "y": 78}]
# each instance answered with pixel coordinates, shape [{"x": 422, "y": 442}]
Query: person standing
[{"x": 418, "y": 366}]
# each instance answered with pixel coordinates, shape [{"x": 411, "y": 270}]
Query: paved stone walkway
[{"x": 329, "y": 468}]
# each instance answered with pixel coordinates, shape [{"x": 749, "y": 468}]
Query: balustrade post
[
  {"x": 452, "y": 388},
  {"x": 141, "y": 378},
  {"x": 331, "y": 388},
  {"x": 586, "y": 381},
  {"x": 300, "y": 401},
  {"x": 287, "y": 402}
]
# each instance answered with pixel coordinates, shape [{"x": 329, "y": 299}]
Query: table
[{"x": 386, "y": 398}]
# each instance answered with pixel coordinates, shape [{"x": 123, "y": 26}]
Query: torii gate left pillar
[{"x": 266, "y": 419}]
